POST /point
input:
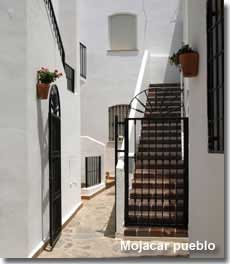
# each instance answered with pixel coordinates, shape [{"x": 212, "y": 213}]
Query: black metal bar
[
  {"x": 86, "y": 172},
  {"x": 163, "y": 203},
  {"x": 186, "y": 168},
  {"x": 92, "y": 171},
  {"x": 100, "y": 169},
  {"x": 135, "y": 160},
  {"x": 126, "y": 167},
  {"x": 215, "y": 60},
  {"x": 55, "y": 202},
  {"x": 54, "y": 22}
]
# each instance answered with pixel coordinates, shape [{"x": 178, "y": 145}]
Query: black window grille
[
  {"x": 121, "y": 111},
  {"x": 215, "y": 54},
  {"x": 92, "y": 171},
  {"x": 70, "y": 75},
  {"x": 83, "y": 61}
]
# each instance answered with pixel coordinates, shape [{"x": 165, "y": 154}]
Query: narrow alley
[{"x": 90, "y": 234}]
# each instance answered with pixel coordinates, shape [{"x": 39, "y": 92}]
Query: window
[
  {"x": 83, "y": 61},
  {"x": 123, "y": 32},
  {"x": 70, "y": 75},
  {"x": 92, "y": 171},
  {"x": 215, "y": 52},
  {"x": 121, "y": 111}
]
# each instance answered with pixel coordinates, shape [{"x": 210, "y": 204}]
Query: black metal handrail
[
  {"x": 163, "y": 109},
  {"x": 83, "y": 60},
  {"x": 56, "y": 30},
  {"x": 160, "y": 154}
]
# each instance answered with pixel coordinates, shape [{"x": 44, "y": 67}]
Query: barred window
[
  {"x": 70, "y": 75},
  {"x": 121, "y": 111},
  {"x": 215, "y": 54}
]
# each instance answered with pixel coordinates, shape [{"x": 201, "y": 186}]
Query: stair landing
[{"x": 155, "y": 232}]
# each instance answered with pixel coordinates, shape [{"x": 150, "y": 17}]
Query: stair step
[
  {"x": 158, "y": 220},
  {"x": 160, "y": 125},
  {"x": 162, "y": 134},
  {"x": 153, "y": 107},
  {"x": 164, "y": 85},
  {"x": 146, "y": 175},
  {"x": 156, "y": 139},
  {"x": 162, "y": 97},
  {"x": 162, "y": 114},
  {"x": 166, "y": 157},
  {"x": 162, "y": 122},
  {"x": 142, "y": 165},
  {"x": 150, "y": 208},
  {"x": 159, "y": 111},
  {"x": 159, "y": 141},
  {"x": 150, "y": 185},
  {"x": 160, "y": 91},
  {"x": 160, "y": 129},
  {"x": 158, "y": 181},
  {"x": 159, "y": 150},
  {"x": 159, "y": 162},
  {"x": 157, "y": 196},
  {"x": 154, "y": 102},
  {"x": 155, "y": 232},
  {"x": 157, "y": 215}
]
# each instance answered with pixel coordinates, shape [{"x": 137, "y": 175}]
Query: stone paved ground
[{"x": 90, "y": 234}]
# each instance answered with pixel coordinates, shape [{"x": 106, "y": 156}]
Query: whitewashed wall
[
  {"x": 206, "y": 171},
  {"x": 13, "y": 126},
  {"x": 87, "y": 151},
  {"x": 112, "y": 76},
  {"x": 25, "y": 209}
]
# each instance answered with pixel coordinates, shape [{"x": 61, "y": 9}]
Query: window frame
[
  {"x": 215, "y": 75},
  {"x": 110, "y": 32},
  {"x": 70, "y": 76},
  {"x": 122, "y": 112}
]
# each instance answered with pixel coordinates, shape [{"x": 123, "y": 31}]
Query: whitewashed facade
[
  {"x": 28, "y": 43},
  {"x": 113, "y": 77}
]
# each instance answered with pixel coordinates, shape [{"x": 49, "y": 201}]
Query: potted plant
[
  {"x": 45, "y": 78},
  {"x": 188, "y": 59}
]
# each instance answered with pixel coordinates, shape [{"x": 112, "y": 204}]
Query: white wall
[
  {"x": 24, "y": 129},
  {"x": 206, "y": 171},
  {"x": 13, "y": 153},
  {"x": 112, "y": 76},
  {"x": 39, "y": 29},
  {"x": 87, "y": 151}
]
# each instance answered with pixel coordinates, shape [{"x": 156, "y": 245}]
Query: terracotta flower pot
[
  {"x": 189, "y": 63},
  {"x": 43, "y": 90}
]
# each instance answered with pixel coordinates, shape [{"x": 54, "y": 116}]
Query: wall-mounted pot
[
  {"x": 43, "y": 90},
  {"x": 189, "y": 63}
]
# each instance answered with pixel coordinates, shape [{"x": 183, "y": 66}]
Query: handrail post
[
  {"x": 126, "y": 169},
  {"x": 116, "y": 144}
]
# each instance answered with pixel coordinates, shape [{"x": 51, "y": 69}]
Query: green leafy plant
[
  {"x": 47, "y": 77},
  {"x": 174, "y": 59}
]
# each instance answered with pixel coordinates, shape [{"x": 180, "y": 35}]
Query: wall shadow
[
  {"x": 111, "y": 229},
  {"x": 172, "y": 73},
  {"x": 44, "y": 154}
]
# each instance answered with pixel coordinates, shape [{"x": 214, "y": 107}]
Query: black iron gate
[
  {"x": 156, "y": 172},
  {"x": 55, "y": 165}
]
